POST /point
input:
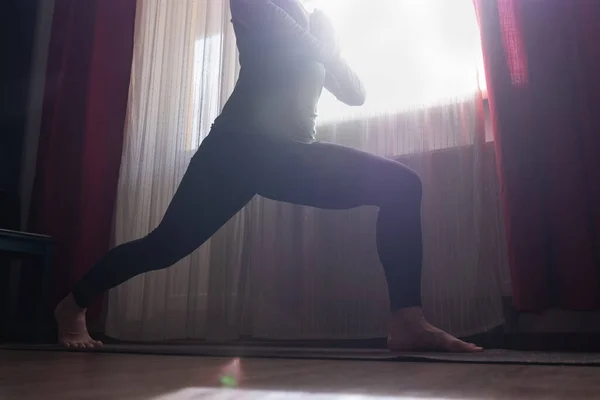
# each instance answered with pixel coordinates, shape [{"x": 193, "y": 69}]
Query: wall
[
  {"x": 16, "y": 39},
  {"x": 34, "y": 107},
  {"x": 24, "y": 37}
]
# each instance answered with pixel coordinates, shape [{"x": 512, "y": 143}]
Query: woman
[{"x": 263, "y": 143}]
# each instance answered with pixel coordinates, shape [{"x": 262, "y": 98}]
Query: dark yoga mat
[{"x": 486, "y": 357}]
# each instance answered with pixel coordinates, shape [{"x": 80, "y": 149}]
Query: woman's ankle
[
  {"x": 69, "y": 304},
  {"x": 408, "y": 313}
]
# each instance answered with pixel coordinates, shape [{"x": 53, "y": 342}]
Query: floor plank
[{"x": 48, "y": 375}]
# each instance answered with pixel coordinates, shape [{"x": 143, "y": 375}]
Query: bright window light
[
  {"x": 205, "y": 85},
  {"x": 206, "y": 393},
  {"x": 408, "y": 53}
]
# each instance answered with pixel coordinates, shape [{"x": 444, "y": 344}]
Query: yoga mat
[{"x": 486, "y": 357}]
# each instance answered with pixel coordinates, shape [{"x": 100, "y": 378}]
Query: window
[
  {"x": 409, "y": 53},
  {"x": 207, "y": 87}
]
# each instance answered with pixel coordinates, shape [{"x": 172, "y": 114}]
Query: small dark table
[{"x": 41, "y": 247}]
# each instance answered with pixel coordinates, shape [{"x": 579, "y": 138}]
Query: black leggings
[{"x": 230, "y": 169}]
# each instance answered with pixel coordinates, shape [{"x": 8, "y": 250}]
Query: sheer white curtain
[
  {"x": 184, "y": 68},
  {"x": 283, "y": 271}
]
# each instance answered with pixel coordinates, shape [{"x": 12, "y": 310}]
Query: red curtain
[
  {"x": 81, "y": 138},
  {"x": 543, "y": 70}
]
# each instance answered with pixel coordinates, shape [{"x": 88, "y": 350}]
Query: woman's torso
[{"x": 278, "y": 87}]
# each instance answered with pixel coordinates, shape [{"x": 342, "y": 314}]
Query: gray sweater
[{"x": 283, "y": 71}]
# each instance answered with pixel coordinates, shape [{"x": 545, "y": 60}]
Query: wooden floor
[{"x": 46, "y": 375}]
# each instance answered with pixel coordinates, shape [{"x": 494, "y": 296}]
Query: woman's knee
[
  {"x": 406, "y": 183},
  {"x": 161, "y": 247}
]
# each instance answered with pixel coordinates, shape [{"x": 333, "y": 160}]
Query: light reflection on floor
[
  {"x": 241, "y": 394},
  {"x": 232, "y": 377}
]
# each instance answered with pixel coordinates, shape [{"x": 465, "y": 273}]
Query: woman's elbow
[{"x": 356, "y": 99}]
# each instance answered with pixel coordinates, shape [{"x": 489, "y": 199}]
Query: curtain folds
[
  {"x": 85, "y": 103},
  {"x": 542, "y": 71}
]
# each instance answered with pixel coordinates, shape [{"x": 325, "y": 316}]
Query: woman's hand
[{"x": 321, "y": 27}]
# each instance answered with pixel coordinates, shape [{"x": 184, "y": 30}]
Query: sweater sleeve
[{"x": 344, "y": 83}]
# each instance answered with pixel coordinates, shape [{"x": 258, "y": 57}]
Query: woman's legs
[
  {"x": 226, "y": 173},
  {"x": 210, "y": 193},
  {"x": 329, "y": 176}
]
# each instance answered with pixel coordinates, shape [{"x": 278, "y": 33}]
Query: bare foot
[
  {"x": 72, "y": 329},
  {"x": 409, "y": 331}
]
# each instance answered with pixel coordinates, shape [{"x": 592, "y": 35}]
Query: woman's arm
[
  {"x": 340, "y": 80},
  {"x": 344, "y": 84},
  {"x": 265, "y": 17}
]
